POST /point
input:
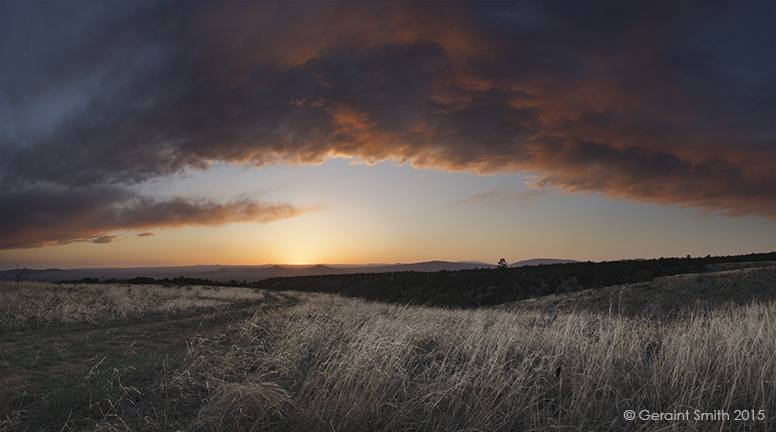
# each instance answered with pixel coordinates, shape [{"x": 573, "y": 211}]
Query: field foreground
[{"x": 199, "y": 359}]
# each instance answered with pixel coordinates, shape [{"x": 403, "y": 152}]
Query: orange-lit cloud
[{"x": 671, "y": 104}]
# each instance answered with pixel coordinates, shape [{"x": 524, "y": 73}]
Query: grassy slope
[
  {"x": 667, "y": 296},
  {"x": 318, "y": 362}
]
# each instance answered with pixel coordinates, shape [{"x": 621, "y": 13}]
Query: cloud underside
[{"x": 635, "y": 101}]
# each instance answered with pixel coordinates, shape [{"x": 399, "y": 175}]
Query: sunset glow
[{"x": 138, "y": 134}]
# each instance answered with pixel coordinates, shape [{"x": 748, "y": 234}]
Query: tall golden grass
[{"x": 340, "y": 364}]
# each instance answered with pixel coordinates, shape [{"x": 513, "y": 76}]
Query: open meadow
[
  {"x": 387, "y": 216},
  {"x": 154, "y": 358}
]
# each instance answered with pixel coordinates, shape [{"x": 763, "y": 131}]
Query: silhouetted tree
[
  {"x": 19, "y": 274},
  {"x": 502, "y": 263}
]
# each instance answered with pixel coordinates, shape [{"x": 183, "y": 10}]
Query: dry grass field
[
  {"x": 107, "y": 358},
  {"x": 44, "y": 304}
]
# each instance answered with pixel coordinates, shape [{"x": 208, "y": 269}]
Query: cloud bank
[{"x": 663, "y": 103}]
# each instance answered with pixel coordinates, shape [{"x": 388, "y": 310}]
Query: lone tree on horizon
[{"x": 502, "y": 263}]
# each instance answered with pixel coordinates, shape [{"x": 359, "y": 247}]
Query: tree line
[{"x": 470, "y": 288}]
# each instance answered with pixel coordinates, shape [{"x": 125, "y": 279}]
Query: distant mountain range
[{"x": 251, "y": 273}]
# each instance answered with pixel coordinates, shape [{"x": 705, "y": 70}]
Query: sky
[{"x": 239, "y": 133}]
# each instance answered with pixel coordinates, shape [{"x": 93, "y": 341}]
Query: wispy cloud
[
  {"x": 499, "y": 196},
  {"x": 103, "y": 239},
  {"x": 493, "y": 198}
]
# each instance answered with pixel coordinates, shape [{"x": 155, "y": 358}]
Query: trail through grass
[{"x": 75, "y": 354}]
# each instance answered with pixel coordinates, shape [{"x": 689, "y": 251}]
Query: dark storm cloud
[{"x": 667, "y": 103}]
